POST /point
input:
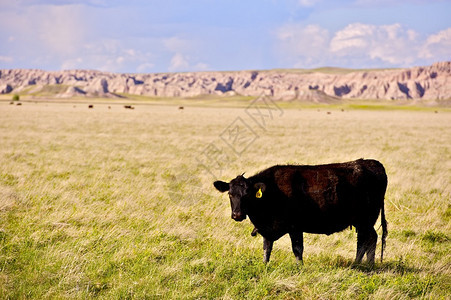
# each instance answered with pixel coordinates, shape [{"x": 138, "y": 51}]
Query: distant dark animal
[
  {"x": 181, "y": 108},
  {"x": 321, "y": 199},
  {"x": 328, "y": 112},
  {"x": 128, "y": 107},
  {"x": 90, "y": 106},
  {"x": 19, "y": 104}
]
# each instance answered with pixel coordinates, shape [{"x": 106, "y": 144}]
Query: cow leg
[
  {"x": 361, "y": 241},
  {"x": 297, "y": 244},
  {"x": 366, "y": 243},
  {"x": 371, "y": 246},
  {"x": 267, "y": 248}
]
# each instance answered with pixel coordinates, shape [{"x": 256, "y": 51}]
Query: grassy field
[{"x": 115, "y": 203}]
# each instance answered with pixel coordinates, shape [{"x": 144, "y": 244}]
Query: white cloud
[
  {"x": 61, "y": 29},
  {"x": 308, "y": 44},
  {"x": 201, "y": 67},
  {"x": 130, "y": 52},
  {"x": 438, "y": 45},
  {"x": 71, "y": 64},
  {"x": 360, "y": 45},
  {"x": 353, "y": 36},
  {"x": 183, "y": 54},
  {"x": 6, "y": 59},
  {"x": 103, "y": 57},
  {"x": 44, "y": 31},
  {"x": 65, "y": 2},
  {"x": 373, "y": 3},
  {"x": 120, "y": 59},
  {"x": 389, "y": 43},
  {"x": 412, "y": 35},
  {"x": 66, "y": 35},
  {"x": 308, "y": 3},
  {"x": 178, "y": 63},
  {"x": 177, "y": 44}
]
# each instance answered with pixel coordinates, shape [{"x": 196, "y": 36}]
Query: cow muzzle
[{"x": 238, "y": 216}]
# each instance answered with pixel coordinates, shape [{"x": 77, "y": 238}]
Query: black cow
[{"x": 320, "y": 199}]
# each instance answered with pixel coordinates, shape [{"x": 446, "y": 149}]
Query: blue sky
[{"x": 175, "y": 35}]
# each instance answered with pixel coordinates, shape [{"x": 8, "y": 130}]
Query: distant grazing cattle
[
  {"x": 321, "y": 199},
  {"x": 90, "y": 106},
  {"x": 128, "y": 107}
]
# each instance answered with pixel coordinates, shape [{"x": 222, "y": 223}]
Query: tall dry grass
[{"x": 116, "y": 203}]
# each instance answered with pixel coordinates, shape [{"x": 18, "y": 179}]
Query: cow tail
[{"x": 384, "y": 231}]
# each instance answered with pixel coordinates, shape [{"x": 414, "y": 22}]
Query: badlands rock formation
[{"x": 322, "y": 85}]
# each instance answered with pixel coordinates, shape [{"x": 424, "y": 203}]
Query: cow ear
[
  {"x": 260, "y": 186},
  {"x": 221, "y": 186}
]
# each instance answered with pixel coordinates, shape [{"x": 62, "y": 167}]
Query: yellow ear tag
[{"x": 259, "y": 193}]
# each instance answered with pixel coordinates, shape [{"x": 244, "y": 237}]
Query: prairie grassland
[{"x": 116, "y": 203}]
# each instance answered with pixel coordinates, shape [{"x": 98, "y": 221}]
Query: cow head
[{"x": 241, "y": 191}]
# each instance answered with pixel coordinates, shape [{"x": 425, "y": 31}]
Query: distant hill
[{"x": 317, "y": 85}]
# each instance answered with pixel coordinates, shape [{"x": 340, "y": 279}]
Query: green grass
[
  {"x": 359, "y": 105},
  {"x": 237, "y": 101},
  {"x": 49, "y": 90},
  {"x": 112, "y": 203}
]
